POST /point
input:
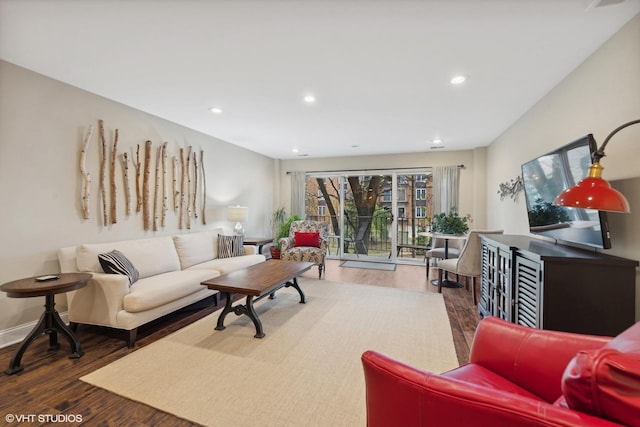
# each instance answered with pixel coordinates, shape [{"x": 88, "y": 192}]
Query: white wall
[
  {"x": 42, "y": 123},
  {"x": 472, "y": 199},
  {"x": 601, "y": 94}
]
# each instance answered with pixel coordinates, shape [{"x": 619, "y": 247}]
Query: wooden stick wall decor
[
  {"x": 183, "y": 189},
  {"x": 156, "y": 192},
  {"x": 146, "y": 208},
  {"x": 188, "y": 168},
  {"x": 204, "y": 188},
  {"x": 112, "y": 179},
  {"x": 86, "y": 177},
  {"x": 176, "y": 191},
  {"x": 103, "y": 173},
  {"x": 195, "y": 185},
  {"x": 138, "y": 165},
  {"x": 189, "y": 190},
  {"x": 125, "y": 176},
  {"x": 164, "y": 186}
]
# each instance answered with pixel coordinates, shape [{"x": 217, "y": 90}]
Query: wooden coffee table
[{"x": 256, "y": 282}]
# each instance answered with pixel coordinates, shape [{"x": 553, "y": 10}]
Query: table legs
[
  {"x": 248, "y": 309},
  {"x": 446, "y": 283},
  {"x": 50, "y": 323}
]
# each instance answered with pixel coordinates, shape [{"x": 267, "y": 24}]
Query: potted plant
[
  {"x": 450, "y": 223},
  {"x": 281, "y": 228}
]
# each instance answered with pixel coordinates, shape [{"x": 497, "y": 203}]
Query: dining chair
[{"x": 469, "y": 263}]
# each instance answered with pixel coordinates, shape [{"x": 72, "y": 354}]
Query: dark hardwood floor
[{"x": 50, "y": 385}]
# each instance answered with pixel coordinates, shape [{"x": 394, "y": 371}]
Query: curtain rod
[{"x": 367, "y": 170}]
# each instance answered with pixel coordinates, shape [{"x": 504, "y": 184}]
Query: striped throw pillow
[
  {"x": 230, "y": 246},
  {"x": 115, "y": 262}
]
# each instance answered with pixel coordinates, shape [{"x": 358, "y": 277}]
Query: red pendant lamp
[{"x": 594, "y": 192}]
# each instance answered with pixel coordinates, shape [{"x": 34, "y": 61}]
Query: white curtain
[
  {"x": 446, "y": 188},
  {"x": 297, "y": 193}
]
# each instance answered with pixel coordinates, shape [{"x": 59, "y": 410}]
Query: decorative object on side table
[
  {"x": 238, "y": 214},
  {"x": 450, "y": 223},
  {"x": 50, "y": 322}
]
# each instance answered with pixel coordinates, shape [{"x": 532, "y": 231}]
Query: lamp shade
[
  {"x": 237, "y": 213},
  {"x": 593, "y": 193}
]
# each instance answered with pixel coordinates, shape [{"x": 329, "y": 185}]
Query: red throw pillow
[
  {"x": 604, "y": 383},
  {"x": 306, "y": 239}
]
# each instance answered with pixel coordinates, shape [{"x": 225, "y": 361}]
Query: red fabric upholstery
[
  {"x": 311, "y": 239},
  {"x": 514, "y": 377}
]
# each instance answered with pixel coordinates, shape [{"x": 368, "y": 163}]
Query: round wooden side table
[{"x": 50, "y": 322}]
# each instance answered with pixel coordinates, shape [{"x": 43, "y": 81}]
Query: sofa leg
[
  {"x": 473, "y": 290},
  {"x": 320, "y": 269},
  {"x": 131, "y": 340},
  {"x": 440, "y": 278},
  {"x": 73, "y": 326}
]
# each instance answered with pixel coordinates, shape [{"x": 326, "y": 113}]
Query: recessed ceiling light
[
  {"x": 459, "y": 79},
  {"x": 215, "y": 110},
  {"x": 309, "y": 99},
  {"x": 436, "y": 141},
  {"x": 295, "y": 150}
]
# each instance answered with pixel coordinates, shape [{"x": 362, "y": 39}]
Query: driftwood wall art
[
  {"x": 204, "y": 188},
  {"x": 86, "y": 176},
  {"x": 112, "y": 179},
  {"x": 187, "y": 183},
  {"x": 103, "y": 173},
  {"x": 127, "y": 188}
]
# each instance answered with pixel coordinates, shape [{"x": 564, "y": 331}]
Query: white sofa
[{"x": 170, "y": 270}]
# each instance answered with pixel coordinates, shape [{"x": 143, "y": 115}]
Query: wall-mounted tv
[{"x": 544, "y": 178}]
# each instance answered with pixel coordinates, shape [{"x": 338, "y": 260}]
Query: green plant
[
  {"x": 450, "y": 223},
  {"x": 283, "y": 230},
  {"x": 277, "y": 219},
  {"x": 544, "y": 213}
]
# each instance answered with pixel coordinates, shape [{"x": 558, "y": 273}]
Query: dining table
[{"x": 446, "y": 282}]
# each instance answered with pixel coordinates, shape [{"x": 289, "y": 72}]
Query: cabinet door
[
  {"x": 503, "y": 305},
  {"x": 487, "y": 280},
  {"x": 528, "y": 292}
]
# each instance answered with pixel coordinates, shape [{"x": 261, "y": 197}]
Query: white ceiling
[{"x": 380, "y": 68}]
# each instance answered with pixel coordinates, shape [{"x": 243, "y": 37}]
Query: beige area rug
[{"x": 306, "y": 371}]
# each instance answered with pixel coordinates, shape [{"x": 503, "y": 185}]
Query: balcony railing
[{"x": 377, "y": 241}]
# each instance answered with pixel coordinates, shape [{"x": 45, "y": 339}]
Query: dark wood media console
[{"x": 550, "y": 286}]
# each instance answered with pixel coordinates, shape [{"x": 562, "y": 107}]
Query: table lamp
[
  {"x": 593, "y": 192},
  {"x": 238, "y": 214}
]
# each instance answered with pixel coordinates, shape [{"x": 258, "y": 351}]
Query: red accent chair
[{"x": 516, "y": 376}]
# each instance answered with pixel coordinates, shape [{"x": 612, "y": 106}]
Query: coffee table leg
[
  {"x": 226, "y": 310},
  {"x": 249, "y": 311},
  {"x": 295, "y": 285}
]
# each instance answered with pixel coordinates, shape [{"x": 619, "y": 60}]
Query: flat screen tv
[{"x": 544, "y": 178}]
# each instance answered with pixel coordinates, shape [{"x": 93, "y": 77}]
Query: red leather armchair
[{"x": 516, "y": 376}]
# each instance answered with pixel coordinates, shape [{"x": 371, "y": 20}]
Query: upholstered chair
[
  {"x": 307, "y": 241},
  {"x": 437, "y": 250},
  {"x": 516, "y": 376},
  {"x": 468, "y": 263}
]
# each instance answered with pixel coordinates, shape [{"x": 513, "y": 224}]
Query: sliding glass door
[{"x": 372, "y": 216}]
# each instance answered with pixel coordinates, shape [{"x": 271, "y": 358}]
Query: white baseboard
[{"x": 18, "y": 333}]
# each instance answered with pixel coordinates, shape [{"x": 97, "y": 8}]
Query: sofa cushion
[
  {"x": 306, "y": 239},
  {"x": 150, "y": 256},
  {"x": 605, "y": 383},
  {"x": 227, "y": 265},
  {"x": 196, "y": 248},
  {"x": 164, "y": 288},
  {"x": 115, "y": 262},
  {"x": 230, "y": 246}
]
